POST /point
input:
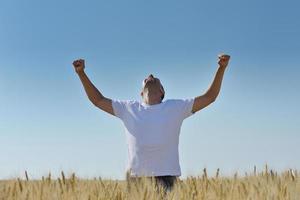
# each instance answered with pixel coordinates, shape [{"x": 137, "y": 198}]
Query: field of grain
[{"x": 266, "y": 184}]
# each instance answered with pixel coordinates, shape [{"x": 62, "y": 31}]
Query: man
[{"x": 152, "y": 126}]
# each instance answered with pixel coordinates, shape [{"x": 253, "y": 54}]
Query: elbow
[
  {"x": 97, "y": 101},
  {"x": 94, "y": 101},
  {"x": 213, "y": 99}
]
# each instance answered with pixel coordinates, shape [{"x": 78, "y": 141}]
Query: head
[{"x": 152, "y": 90}]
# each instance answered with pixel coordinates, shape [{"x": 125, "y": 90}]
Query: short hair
[{"x": 161, "y": 88}]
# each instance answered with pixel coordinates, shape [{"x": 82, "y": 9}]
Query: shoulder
[
  {"x": 183, "y": 106},
  {"x": 126, "y": 103},
  {"x": 180, "y": 101},
  {"x": 120, "y": 107}
]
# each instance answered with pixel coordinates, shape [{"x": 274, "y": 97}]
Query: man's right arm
[{"x": 92, "y": 92}]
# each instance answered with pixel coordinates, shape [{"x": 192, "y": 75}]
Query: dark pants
[{"x": 167, "y": 182}]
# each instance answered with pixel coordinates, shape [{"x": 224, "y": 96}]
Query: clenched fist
[
  {"x": 223, "y": 60},
  {"x": 79, "y": 65}
]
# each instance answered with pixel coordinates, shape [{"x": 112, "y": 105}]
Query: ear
[{"x": 162, "y": 96}]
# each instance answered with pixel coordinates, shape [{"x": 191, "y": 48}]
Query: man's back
[{"x": 152, "y": 133}]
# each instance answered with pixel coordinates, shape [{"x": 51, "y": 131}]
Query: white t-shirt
[{"x": 152, "y": 134}]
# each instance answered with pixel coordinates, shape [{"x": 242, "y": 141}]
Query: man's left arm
[{"x": 211, "y": 94}]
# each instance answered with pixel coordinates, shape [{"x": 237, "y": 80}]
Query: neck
[{"x": 152, "y": 102}]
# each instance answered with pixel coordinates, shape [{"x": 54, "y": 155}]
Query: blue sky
[{"x": 48, "y": 124}]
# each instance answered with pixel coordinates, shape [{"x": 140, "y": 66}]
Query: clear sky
[{"x": 48, "y": 124}]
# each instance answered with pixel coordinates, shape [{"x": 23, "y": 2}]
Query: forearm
[
  {"x": 215, "y": 87},
  {"x": 92, "y": 92}
]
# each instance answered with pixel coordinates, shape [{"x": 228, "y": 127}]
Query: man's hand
[
  {"x": 79, "y": 65},
  {"x": 223, "y": 60}
]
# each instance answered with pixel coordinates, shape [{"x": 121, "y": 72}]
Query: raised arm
[
  {"x": 211, "y": 94},
  {"x": 92, "y": 92}
]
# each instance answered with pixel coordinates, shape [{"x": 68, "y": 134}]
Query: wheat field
[{"x": 266, "y": 184}]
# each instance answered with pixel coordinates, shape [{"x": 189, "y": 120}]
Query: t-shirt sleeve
[
  {"x": 185, "y": 107},
  {"x": 119, "y": 107}
]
